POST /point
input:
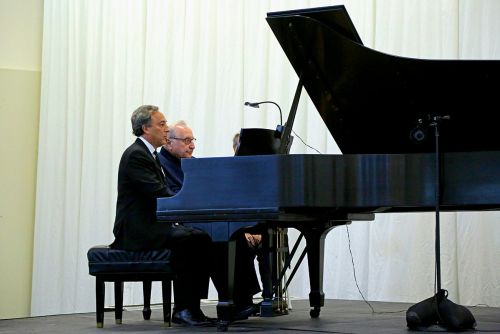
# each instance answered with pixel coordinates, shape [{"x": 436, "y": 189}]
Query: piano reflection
[{"x": 371, "y": 103}]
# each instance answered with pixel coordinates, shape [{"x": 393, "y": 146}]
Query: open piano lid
[{"x": 371, "y": 101}]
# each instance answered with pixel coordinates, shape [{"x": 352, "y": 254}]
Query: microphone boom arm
[{"x": 256, "y": 105}]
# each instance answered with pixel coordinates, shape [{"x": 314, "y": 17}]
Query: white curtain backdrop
[{"x": 199, "y": 61}]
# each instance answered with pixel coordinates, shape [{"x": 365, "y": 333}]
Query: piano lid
[{"x": 371, "y": 102}]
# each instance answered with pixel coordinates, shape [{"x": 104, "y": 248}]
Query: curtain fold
[{"x": 200, "y": 61}]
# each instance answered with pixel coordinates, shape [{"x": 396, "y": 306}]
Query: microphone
[
  {"x": 256, "y": 105},
  {"x": 419, "y": 133},
  {"x": 252, "y": 104}
]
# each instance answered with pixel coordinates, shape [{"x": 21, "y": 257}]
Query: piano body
[{"x": 372, "y": 103}]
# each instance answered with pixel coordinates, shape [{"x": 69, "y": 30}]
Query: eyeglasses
[{"x": 186, "y": 141}]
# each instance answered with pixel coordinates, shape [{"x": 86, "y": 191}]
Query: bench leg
[
  {"x": 118, "y": 302},
  {"x": 99, "y": 301},
  {"x": 166, "y": 289},
  {"x": 146, "y": 290}
]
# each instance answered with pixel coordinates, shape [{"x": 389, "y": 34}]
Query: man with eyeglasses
[{"x": 180, "y": 145}]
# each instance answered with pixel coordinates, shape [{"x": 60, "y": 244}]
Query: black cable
[
  {"x": 303, "y": 142},
  {"x": 389, "y": 312},
  {"x": 356, "y": 279},
  {"x": 350, "y": 251}
]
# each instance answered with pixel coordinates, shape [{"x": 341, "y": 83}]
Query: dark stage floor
[{"x": 338, "y": 316}]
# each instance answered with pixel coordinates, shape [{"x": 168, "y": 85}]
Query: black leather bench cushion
[{"x": 103, "y": 260}]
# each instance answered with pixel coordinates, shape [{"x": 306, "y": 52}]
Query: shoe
[
  {"x": 188, "y": 318},
  {"x": 199, "y": 313},
  {"x": 243, "y": 312}
]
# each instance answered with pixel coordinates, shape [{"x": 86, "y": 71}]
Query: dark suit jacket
[
  {"x": 140, "y": 183},
  {"x": 173, "y": 171}
]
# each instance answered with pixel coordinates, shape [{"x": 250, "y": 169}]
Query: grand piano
[{"x": 379, "y": 109}]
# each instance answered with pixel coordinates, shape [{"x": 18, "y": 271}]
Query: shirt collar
[{"x": 148, "y": 145}]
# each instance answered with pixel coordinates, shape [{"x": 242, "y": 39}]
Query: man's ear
[{"x": 144, "y": 128}]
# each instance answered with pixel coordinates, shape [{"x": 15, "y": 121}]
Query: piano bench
[{"x": 118, "y": 266}]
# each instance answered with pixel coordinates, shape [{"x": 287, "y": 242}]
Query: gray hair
[
  {"x": 142, "y": 116},
  {"x": 171, "y": 128},
  {"x": 236, "y": 141}
]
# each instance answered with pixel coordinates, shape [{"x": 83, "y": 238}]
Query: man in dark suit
[
  {"x": 140, "y": 182},
  {"x": 180, "y": 145}
]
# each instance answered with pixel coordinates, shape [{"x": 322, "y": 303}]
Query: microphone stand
[
  {"x": 256, "y": 105},
  {"x": 437, "y": 195},
  {"x": 437, "y": 310}
]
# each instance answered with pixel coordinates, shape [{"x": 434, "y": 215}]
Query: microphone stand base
[{"x": 438, "y": 313}]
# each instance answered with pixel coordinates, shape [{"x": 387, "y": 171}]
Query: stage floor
[{"x": 338, "y": 316}]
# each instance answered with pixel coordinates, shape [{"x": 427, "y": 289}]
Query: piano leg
[{"x": 315, "y": 245}]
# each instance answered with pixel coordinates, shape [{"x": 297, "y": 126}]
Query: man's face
[
  {"x": 157, "y": 132},
  {"x": 176, "y": 144}
]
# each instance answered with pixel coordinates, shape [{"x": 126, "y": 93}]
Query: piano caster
[
  {"x": 314, "y": 313},
  {"x": 222, "y": 325}
]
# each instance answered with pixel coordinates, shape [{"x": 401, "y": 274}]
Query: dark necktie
[{"x": 156, "y": 157}]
